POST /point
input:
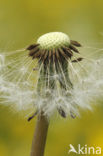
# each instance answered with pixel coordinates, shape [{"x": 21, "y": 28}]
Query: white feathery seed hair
[{"x": 50, "y": 75}]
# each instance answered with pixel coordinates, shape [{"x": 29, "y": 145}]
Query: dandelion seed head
[{"x": 62, "y": 82}]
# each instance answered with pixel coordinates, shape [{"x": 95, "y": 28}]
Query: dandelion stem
[{"x": 40, "y": 135}]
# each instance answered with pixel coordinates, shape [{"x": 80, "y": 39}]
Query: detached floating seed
[{"x": 54, "y": 51}]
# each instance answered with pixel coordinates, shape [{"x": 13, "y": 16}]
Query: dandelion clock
[{"x": 50, "y": 76}]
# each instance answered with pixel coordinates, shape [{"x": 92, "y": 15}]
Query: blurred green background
[{"x": 21, "y": 22}]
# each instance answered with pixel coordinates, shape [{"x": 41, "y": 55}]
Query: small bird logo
[{"x": 72, "y": 149}]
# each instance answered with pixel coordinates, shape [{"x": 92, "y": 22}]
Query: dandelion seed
[{"x": 2, "y": 61}]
